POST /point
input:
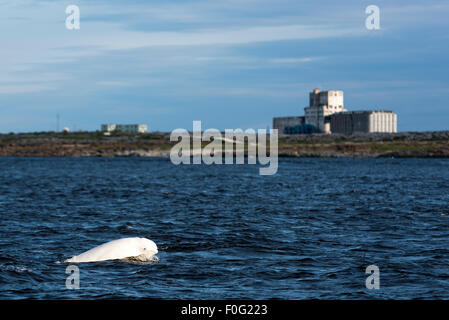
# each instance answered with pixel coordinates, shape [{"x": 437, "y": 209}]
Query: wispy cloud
[
  {"x": 127, "y": 40},
  {"x": 292, "y": 60},
  {"x": 114, "y": 83},
  {"x": 24, "y": 88},
  {"x": 22, "y": 81}
]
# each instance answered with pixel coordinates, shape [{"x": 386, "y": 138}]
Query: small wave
[{"x": 14, "y": 268}]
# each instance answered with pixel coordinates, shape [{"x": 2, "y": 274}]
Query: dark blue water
[{"x": 224, "y": 231}]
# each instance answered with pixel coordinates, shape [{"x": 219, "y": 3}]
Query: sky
[{"x": 229, "y": 63}]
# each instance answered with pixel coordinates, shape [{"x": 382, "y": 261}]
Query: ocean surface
[{"x": 224, "y": 231}]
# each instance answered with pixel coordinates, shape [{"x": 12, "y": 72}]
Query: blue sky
[{"x": 228, "y": 63}]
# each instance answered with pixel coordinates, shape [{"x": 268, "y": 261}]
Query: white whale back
[{"x": 138, "y": 248}]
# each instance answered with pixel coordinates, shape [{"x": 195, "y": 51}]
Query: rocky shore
[{"x": 96, "y": 144}]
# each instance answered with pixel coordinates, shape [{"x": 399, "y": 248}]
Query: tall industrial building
[
  {"x": 326, "y": 114},
  {"x": 321, "y": 105}
]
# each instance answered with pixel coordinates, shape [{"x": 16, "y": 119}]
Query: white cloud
[
  {"x": 24, "y": 88},
  {"x": 114, "y": 83},
  {"x": 292, "y": 60},
  {"x": 125, "y": 40},
  {"x": 278, "y": 92}
]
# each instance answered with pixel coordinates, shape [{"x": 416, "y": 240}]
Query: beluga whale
[{"x": 130, "y": 249}]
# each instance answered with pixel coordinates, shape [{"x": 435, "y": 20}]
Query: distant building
[
  {"x": 326, "y": 114},
  {"x": 129, "y": 128},
  {"x": 364, "y": 122},
  {"x": 108, "y": 127},
  {"x": 321, "y": 105},
  {"x": 286, "y": 124}
]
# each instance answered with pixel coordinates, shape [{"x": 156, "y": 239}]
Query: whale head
[{"x": 147, "y": 249}]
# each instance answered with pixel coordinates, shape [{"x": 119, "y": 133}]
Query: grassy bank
[{"x": 91, "y": 144}]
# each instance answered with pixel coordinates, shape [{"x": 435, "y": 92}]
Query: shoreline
[{"x": 158, "y": 145}]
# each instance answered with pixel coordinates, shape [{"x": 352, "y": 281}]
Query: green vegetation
[
  {"x": 395, "y": 147},
  {"x": 317, "y": 145}
]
